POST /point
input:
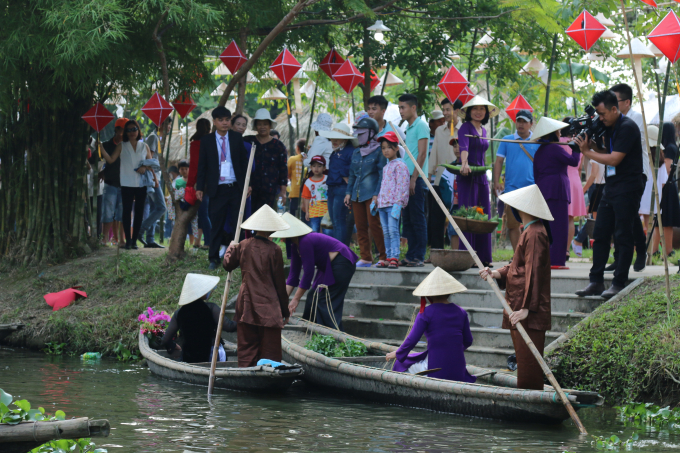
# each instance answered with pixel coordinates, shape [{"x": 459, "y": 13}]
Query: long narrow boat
[
  {"x": 494, "y": 396},
  {"x": 227, "y": 374}
]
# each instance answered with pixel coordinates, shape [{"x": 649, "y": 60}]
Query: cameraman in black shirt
[{"x": 623, "y": 189}]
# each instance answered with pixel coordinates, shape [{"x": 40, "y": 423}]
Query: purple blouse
[
  {"x": 475, "y": 147},
  {"x": 313, "y": 252},
  {"x": 550, "y": 171}
]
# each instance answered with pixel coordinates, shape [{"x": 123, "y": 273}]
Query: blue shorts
[{"x": 112, "y": 201}]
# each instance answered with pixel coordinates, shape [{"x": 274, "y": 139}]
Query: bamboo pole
[
  {"x": 497, "y": 291},
  {"x": 237, "y": 234},
  {"x": 649, "y": 153}
]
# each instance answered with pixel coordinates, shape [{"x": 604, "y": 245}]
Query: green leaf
[
  {"x": 3, "y": 409},
  {"x": 5, "y": 398},
  {"x": 23, "y": 405},
  {"x": 35, "y": 414},
  {"x": 60, "y": 415}
]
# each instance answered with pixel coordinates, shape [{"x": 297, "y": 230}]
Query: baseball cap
[
  {"x": 526, "y": 115},
  {"x": 318, "y": 159},
  {"x": 390, "y": 137},
  {"x": 120, "y": 122}
]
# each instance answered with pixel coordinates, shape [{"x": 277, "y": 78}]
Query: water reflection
[{"x": 148, "y": 414}]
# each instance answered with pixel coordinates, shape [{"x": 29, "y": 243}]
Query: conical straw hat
[
  {"x": 265, "y": 219},
  {"x": 438, "y": 283},
  {"x": 197, "y": 286},
  {"x": 530, "y": 200},
  {"x": 546, "y": 126},
  {"x": 478, "y": 100},
  {"x": 297, "y": 228}
]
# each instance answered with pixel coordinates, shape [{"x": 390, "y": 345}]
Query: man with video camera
[{"x": 621, "y": 153}]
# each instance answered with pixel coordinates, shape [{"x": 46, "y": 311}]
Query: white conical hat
[
  {"x": 297, "y": 228},
  {"x": 478, "y": 100},
  {"x": 653, "y": 134},
  {"x": 546, "y": 126},
  {"x": 265, "y": 219},
  {"x": 530, "y": 200},
  {"x": 438, "y": 283},
  {"x": 196, "y": 286}
]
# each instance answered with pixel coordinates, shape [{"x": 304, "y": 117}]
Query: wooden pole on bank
[
  {"x": 237, "y": 234},
  {"x": 497, "y": 291},
  {"x": 649, "y": 153}
]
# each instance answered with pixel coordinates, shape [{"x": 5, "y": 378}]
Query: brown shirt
[
  {"x": 527, "y": 279},
  {"x": 262, "y": 298}
]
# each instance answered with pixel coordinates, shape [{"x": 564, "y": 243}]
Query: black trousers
[
  {"x": 617, "y": 215},
  {"x": 138, "y": 196},
  {"x": 436, "y": 221},
  {"x": 227, "y": 200},
  {"x": 259, "y": 199},
  {"x": 343, "y": 271}
]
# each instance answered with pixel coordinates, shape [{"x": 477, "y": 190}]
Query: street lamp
[{"x": 378, "y": 27}]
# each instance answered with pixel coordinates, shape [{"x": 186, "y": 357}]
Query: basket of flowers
[
  {"x": 152, "y": 324},
  {"x": 473, "y": 220}
]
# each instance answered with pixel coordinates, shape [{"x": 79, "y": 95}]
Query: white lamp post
[{"x": 378, "y": 27}]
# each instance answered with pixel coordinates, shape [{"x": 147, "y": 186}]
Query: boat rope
[
  {"x": 34, "y": 436},
  {"x": 315, "y": 307}
]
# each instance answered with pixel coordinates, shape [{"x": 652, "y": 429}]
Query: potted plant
[{"x": 153, "y": 324}]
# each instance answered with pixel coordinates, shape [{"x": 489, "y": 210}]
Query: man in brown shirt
[
  {"x": 262, "y": 304},
  {"x": 527, "y": 282}
]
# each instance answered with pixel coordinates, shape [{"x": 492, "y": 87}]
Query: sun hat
[
  {"x": 547, "y": 126},
  {"x": 120, "y": 122},
  {"x": 323, "y": 123},
  {"x": 340, "y": 131},
  {"x": 653, "y": 134},
  {"x": 265, "y": 219},
  {"x": 438, "y": 283},
  {"x": 530, "y": 200},
  {"x": 297, "y": 228},
  {"x": 478, "y": 100},
  {"x": 196, "y": 286},
  {"x": 263, "y": 114},
  {"x": 436, "y": 115}
]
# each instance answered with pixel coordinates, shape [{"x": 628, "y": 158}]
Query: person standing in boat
[
  {"x": 262, "y": 304},
  {"x": 196, "y": 320},
  {"x": 527, "y": 281},
  {"x": 446, "y": 327},
  {"x": 334, "y": 264}
]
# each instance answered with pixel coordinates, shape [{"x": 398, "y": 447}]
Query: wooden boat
[
  {"x": 227, "y": 375},
  {"x": 26, "y": 436},
  {"x": 495, "y": 395}
]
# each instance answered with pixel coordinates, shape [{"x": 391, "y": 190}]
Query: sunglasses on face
[{"x": 131, "y": 129}]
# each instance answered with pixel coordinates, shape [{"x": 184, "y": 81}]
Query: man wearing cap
[
  {"x": 221, "y": 175},
  {"x": 321, "y": 146},
  {"x": 112, "y": 209},
  {"x": 155, "y": 203},
  {"x": 519, "y": 167}
]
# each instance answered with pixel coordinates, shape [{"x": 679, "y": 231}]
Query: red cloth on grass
[{"x": 63, "y": 298}]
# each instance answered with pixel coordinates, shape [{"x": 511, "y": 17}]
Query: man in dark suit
[{"x": 222, "y": 166}]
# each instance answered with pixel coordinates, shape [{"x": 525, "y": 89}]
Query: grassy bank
[
  {"x": 627, "y": 350},
  {"x": 109, "y": 314}
]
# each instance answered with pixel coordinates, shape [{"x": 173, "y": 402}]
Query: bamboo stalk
[
  {"x": 649, "y": 153},
  {"x": 237, "y": 235},
  {"x": 496, "y": 290}
]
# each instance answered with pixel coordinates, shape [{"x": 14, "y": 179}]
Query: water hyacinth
[{"x": 153, "y": 323}]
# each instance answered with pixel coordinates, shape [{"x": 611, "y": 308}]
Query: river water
[{"x": 149, "y": 414}]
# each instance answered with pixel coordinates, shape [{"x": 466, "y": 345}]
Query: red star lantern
[
  {"x": 375, "y": 81},
  {"x": 586, "y": 30},
  {"x": 666, "y": 36},
  {"x": 466, "y": 95},
  {"x": 348, "y": 76},
  {"x": 233, "y": 58},
  {"x": 519, "y": 103},
  {"x": 651, "y": 3},
  {"x": 453, "y": 83},
  {"x": 184, "y": 104},
  {"x": 98, "y": 117},
  {"x": 285, "y": 66},
  {"x": 331, "y": 63},
  {"x": 157, "y": 109}
]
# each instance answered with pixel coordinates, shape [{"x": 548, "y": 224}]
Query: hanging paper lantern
[
  {"x": 519, "y": 103},
  {"x": 651, "y": 3},
  {"x": 466, "y": 95},
  {"x": 453, "y": 83},
  {"x": 233, "y": 58},
  {"x": 348, "y": 76},
  {"x": 98, "y": 117},
  {"x": 285, "y": 66},
  {"x": 157, "y": 109},
  {"x": 184, "y": 104},
  {"x": 666, "y": 36},
  {"x": 585, "y": 30},
  {"x": 331, "y": 63},
  {"x": 375, "y": 81}
]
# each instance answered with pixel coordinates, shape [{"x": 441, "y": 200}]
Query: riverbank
[
  {"x": 627, "y": 350},
  {"x": 108, "y": 316}
]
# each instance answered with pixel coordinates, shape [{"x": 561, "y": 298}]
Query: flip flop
[
  {"x": 415, "y": 264},
  {"x": 364, "y": 264},
  {"x": 404, "y": 262}
]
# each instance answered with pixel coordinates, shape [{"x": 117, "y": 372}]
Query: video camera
[{"x": 589, "y": 124}]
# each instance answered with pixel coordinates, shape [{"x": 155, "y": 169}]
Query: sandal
[
  {"x": 404, "y": 262},
  {"x": 415, "y": 264},
  {"x": 382, "y": 264},
  {"x": 394, "y": 263}
]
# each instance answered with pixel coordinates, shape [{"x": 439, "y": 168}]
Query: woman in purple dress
[
  {"x": 551, "y": 176},
  {"x": 446, "y": 327},
  {"x": 473, "y": 190}
]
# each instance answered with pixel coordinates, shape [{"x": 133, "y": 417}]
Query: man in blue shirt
[
  {"x": 376, "y": 108},
  {"x": 519, "y": 167}
]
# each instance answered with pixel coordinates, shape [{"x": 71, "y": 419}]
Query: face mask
[{"x": 362, "y": 135}]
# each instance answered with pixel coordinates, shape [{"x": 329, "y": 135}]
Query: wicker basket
[
  {"x": 452, "y": 260},
  {"x": 475, "y": 226}
]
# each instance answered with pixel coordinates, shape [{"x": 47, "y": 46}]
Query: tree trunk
[
  {"x": 550, "y": 71},
  {"x": 179, "y": 231}
]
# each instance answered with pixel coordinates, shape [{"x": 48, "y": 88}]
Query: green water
[{"x": 149, "y": 414}]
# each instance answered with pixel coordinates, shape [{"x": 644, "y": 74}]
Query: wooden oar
[
  {"x": 530, "y": 142},
  {"x": 497, "y": 291},
  {"x": 237, "y": 234}
]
